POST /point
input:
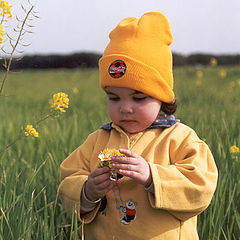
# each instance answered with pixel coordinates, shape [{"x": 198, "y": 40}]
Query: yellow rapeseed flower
[
  {"x": 31, "y": 131},
  {"x": 60, "y": 101},
  {"x": 234, "y": 149},
  {"x": 5, "y": 9},
  {"x": 198, "y": 82},
  {"x": 231, "y": 85},
  {"x": 223, "y": 74},
  {"x": 75, "y": 90},
  {"x": 106, "y": 161},
  {"x": 199, "y": 74},
  {"x": 105, "y": 156},
  {"x": 213, "y": 62},
  {"x": 1, "y": 33}
]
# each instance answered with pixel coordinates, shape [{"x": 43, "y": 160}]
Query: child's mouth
[{"x": 129, "y": 121}]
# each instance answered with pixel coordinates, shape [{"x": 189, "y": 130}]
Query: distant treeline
[
  {"x": 90, "y": 60},
  {"x": 205, "y": 59}
]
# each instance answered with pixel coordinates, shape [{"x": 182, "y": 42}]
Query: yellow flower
[
  {"x": 60, "y": 101},
  {"x": 199, "y": 74},
  {"x": 223, "y": 73},
  {"x": 238, "y": 81},
  {"x": 198, "y": 82},
  {"x": 231, "y": 85},
  {"x": 31, "y": 131},
  {"x": 106, "y": 161},
  {"x": 213, "y": 62},
  {"x": 234, "y": 149},
  {"x": 111, "y": 152},
  {"x": 75, "y": 90},
  {"x": 105, "y": 156},
  {"x": 5, "y": 9},
  {"x": 1, "y": 33}
]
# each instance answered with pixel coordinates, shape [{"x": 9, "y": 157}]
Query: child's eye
[
  {"x": 113, "y": 99},
  {"x": 139, "y": 98}
]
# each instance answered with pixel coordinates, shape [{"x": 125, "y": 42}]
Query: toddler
[{"x": 166, "y": 175}]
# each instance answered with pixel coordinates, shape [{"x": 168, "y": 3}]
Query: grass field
[{"x": 29, "y": 170}]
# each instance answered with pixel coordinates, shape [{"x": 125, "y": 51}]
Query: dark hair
[{"x": 169, "y": 108}]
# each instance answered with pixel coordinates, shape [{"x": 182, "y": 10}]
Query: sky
[{"x": 70, "y": 26}]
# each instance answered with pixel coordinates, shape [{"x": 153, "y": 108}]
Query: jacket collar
[{"x": 163, "y": 121}]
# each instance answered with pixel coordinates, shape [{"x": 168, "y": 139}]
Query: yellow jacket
[{"x": 184, "y": 178}]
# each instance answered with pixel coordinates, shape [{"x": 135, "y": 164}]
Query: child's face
[{"x": 131, "y": 110}]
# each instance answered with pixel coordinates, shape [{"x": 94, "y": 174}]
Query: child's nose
[{"x": 126, "y": 108}]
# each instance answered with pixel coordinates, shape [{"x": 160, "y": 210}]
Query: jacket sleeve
[
  {"x": 186, "y": 186},
  {"x": 74, "y": 172}
]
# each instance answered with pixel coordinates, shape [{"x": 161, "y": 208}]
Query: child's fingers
[
  {"x": 105, "y": 185},
  {"x": 97, "y": 186},
  {"x": 102, "y": 192},
  {"x": 99, "y": 171},
  {"x": 128, "y": 153},
  {"x": 129, "y": 173},
  {"x": 99, "y": 175},
  {"x": 123, "y": 160},
  {"x": 94, "y": 192},
  {"x": 130, "y": 157},
  {"x": 100, "y": 179},
  {"x": 124, "y": 166}
]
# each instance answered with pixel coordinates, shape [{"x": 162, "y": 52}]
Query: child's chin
[{"x": 132, "y": 131}]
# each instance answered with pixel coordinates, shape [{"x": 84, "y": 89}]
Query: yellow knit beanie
[{"x": 138, "y": 56}]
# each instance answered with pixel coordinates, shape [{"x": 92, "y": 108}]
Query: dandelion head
[
  {"x": 31, "y": 131},
  {"x": 60, "y": 102},
  {"x": 234, "y": 149}
]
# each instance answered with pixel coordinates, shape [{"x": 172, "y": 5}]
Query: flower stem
[
  {"x": 2, "y": 19},
  {"x": 43, "y": 119},
  {"x": 13, "y": 50},
  {"x": 10, "y": 144},
  {"x": 23, "y": 135}
]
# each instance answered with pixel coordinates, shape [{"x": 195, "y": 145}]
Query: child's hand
[
  {"x": 98, "y": 184},
  {"x": 133, "y": 166}
]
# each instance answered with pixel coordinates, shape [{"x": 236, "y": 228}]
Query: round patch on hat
[{"x": 117, "y": 69}]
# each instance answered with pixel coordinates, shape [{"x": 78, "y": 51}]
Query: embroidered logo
[
  {"x": 129, "y": 212},
  {"x": 117, "y": 69}
]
